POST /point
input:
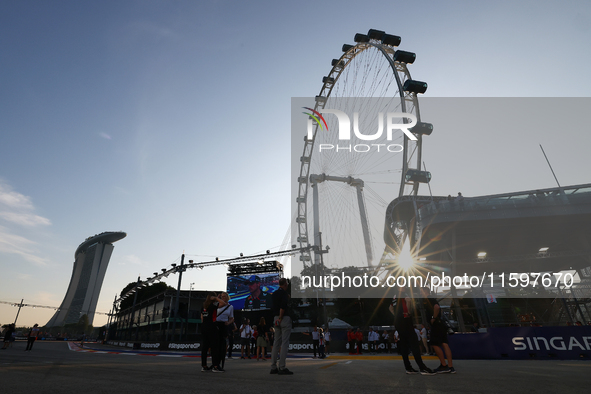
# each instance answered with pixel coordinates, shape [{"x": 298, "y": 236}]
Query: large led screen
[{"x": 252, "y": 292}]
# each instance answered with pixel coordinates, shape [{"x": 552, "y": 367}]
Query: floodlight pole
[
  {"x": 19, "y": 311},
  {"x": 454, "y": 263},
  {"x": 178, "y": 294},
  {"x": 189, "y": 308},
  {"x": 137, "y": 284},
  {"x": 323, "y": 276},
  {"x": 110, "y": 320}
]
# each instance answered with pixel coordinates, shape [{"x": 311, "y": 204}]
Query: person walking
[
  {"x": 401, "y": 309},
  {"x": 31, "y": 337},
  {"x": 282, "y": 323}
]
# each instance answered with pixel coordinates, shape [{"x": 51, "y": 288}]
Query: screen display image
[{"x": 252, "y": 292}]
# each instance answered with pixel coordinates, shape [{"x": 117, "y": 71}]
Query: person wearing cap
[{"x": 257, "y": 299}]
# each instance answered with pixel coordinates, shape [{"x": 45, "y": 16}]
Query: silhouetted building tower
[{"x": 90, "y": 264}]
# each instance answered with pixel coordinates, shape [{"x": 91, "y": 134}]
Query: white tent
[{"x": 338, "y": 323}]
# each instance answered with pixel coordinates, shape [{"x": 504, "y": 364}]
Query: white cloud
[
  {"x": 12, "y": 199},
  {"x": 131, "y": 259},
  {"x": 18, "y": 208},
  {"x": 47, "y": 299},
  {"x": 105, "y": 136},
  {"x": 22, "y": 276},
  {"x": 15, "y": 244},
  {"x": 25, "y": 219}
]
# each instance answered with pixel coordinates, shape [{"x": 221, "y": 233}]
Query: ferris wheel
[{"x": 344, "y": 186}]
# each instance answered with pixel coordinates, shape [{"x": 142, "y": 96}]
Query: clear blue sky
[{"x": 170, "y": 120}]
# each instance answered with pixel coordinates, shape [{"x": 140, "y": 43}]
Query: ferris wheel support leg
[
  {"x": 364, "y": 225},
  {"x": 316, "y": 221}
]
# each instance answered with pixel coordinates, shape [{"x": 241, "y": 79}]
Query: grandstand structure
[{"x": 545, "y": 231}]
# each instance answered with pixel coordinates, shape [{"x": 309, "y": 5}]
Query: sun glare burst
[{"x": 406, "y": 261}]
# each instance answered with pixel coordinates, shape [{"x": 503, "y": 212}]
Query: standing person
[
  {"x": 418, "y": 332},
  {"x": 372, "y": 340},
  {"x": 395, "y": 340},
  {"x": 282, "y": 323},
  {"x": 385, "y": 339},
  {"x": 225, "y": 318},
  {"x": 245, "y": 334},
  {"x": 262, "y": 339},
  {"x": 423, "y": 331},
  {"x": 315, "y": 340},
  {"x": 210, "y": 334},
  {"x": 232, "y": 329},
  {"x": 460, "y": 200},
  {"x": 271, "y": 337},
  {"x": 31, "y": 337},
  {"x": 8, "y": 335},
  {"x": 359, "y": 340},
  {"x": 439, "y": 335},
  {"x": 351, "y": 340},
  {"x": 321, "y": 353},
  {"x": 401, "y": 309},
  {"x": 327, "y": 340},
  {"x": 253, "y": 341}
]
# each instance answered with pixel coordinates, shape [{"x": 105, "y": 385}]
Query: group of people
[
  {"x": 355, "y": 341},
  {"x": 320, "y": 341},
  {"x": 385, "y": 342},
  {"x": 254, "y": 340},
  {"x": 218, "y": 328},
  {"x": 9, "y": 338},
  {"x": 408, "y": 341},
  {"x": 217, "y": 317}
]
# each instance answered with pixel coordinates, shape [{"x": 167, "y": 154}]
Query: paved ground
[{"x": 53, "y": 368}]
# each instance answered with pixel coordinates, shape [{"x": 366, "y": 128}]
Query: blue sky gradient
[{"x": 170, "y": 120}]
